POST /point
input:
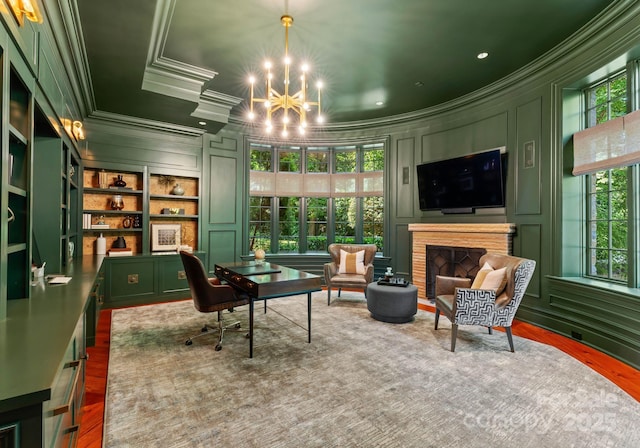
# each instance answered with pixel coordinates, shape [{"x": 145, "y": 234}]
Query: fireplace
[
  {"x": 496, "y": 238},
  {"x": 452, "y": 262}
]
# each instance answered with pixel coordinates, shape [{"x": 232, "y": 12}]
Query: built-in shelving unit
[
  {"x": 148, "y": 199},
  {"x": 120, "y": 207},
  {"x": 17, "y": 184}
]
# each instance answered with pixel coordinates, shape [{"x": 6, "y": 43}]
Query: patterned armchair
[{"x": 465, "y": 306}]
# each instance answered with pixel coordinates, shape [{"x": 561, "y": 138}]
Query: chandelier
[{"x": 288, "y": 110}]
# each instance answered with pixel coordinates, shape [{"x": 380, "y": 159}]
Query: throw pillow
[
  {"x": 480, "y": 276},
  {"x": 351, "y": 263},
  {"x": 496, "y": 280}
]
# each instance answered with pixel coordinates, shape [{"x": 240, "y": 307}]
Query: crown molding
[
  {"x": 179, "y": 80},
  {"x": 126, "y": 120}
]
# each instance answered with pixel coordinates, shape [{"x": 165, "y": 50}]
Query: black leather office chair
[{"x": 210, "y": 296}]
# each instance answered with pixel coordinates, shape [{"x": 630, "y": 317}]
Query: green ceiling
[{"x": 164, "y": 59}]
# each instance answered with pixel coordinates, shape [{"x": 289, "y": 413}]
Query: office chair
[{"x": 209, "y": 296}]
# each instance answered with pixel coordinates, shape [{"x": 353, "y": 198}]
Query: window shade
[
  {"x": 317, "y": 184},
  {"x": 612, "y": 144}
]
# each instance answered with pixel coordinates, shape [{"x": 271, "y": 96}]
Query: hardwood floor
[{"x": 626, "y": 377}]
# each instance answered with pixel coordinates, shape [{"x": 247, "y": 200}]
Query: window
[
  {"x": 260, "y": 223},
  {"x": 607, "y": 205},
  {"x": 314, "y": 196}
]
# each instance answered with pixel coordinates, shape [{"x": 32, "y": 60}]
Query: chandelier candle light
[{"x": 297, "y": 103}]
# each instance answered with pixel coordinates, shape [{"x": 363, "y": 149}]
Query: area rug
[{"x": 359, "y": 383}]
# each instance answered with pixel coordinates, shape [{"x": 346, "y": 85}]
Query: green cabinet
[
  {"x": 131, "y": 279},
  {"x": 143, "y": 279}
]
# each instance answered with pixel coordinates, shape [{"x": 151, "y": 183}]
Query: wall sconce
[
  {"x": 25, "y": 8},
  {"x": 78, "y": 132}
]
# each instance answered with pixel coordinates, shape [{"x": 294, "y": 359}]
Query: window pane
[
  {"x": 260, "y": 223},
  {"x": 619, "y": 234},
  {"x": 289, "y": 224},
  {"x": 345, "y": 161},
  {"x": 345, "y": 220},
  {"x": 373, "y": 221},
  {"x": 289, "y": 161},
  {"x": 619, "y": 265},
  {"x": 261, "y": 159},
  {"x": 602, "y": 205},
  {"x": 602, "y": 234},
  {"x": 373, "y": 160},
  {"x": 317, "y": 214},
  {"x": 317, "y": 162},
  {"x": 602, "y": 263}
]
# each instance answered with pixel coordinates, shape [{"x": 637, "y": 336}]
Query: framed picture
[{"x": 165, "y": 237}]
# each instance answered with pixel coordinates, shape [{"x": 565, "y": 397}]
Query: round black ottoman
[{"x": 394, "y": 304}]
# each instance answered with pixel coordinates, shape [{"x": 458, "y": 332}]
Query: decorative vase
[
  {"x": 117, "y": 203},
  {"x": 102, "y": 179},
  {"x": 119, "y": 243},
  {"x": 137, "y": 222},
  {"x": 127, "y": 221},
  {"x": 119, "y": 182},
  {"x": 259, "y": 256},
  {"x": 177, "y": 190}
]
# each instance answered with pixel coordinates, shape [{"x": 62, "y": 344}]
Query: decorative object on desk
[
  {"x": 260, "y": 256},
  {"x": 102, "y": 179},
  {"x": 127, "y": 221},
  {"x": 101, "y": 245},
  {"x": 389, "y": 274},
  {"x": 119, "y": 182},
  {"x": 119, "y": 243},
  {"x": 165, "y": 236},
  {"x": 137, "y": 222},
  {"x": 172, "y": 211},
  {"x": 117, "y": 203},
  {"x": 177, "y": 190}
]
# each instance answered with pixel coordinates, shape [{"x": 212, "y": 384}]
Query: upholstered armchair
[
  {"x": 351, "y": 266},
  {"x": 467, "y": 303}
]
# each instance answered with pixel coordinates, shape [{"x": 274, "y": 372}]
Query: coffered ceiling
[{"x": 188, "y": 61}]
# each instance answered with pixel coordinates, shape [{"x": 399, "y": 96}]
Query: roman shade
[
  {"x": 263, "y": 183},
  {"x": 612, "y": 144}
]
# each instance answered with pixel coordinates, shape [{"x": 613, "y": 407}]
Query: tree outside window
[{"x": 340, "y": 199}]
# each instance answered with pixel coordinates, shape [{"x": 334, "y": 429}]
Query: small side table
[{"x": 394, "y": 304}]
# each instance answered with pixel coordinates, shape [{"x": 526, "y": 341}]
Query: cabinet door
[
  {"x": 172, "y": 277},
  {"x": 130, "y": 279}
]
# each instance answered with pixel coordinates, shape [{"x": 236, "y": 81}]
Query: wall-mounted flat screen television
[{"x": 463, "y": 184}]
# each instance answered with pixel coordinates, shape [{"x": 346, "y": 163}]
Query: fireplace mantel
[{"x": 495, "y": 238}]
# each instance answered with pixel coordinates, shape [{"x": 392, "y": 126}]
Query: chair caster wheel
[
  {"x": 218, "y": 347},
  {"x": 188, "y": 342},
  {"x": 204, "y": 329},
  {"x": 237, "y": 325}
]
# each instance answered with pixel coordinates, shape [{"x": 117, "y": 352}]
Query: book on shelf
[
  {"x": 99, "y": 226},
  {"x": 120, "y": 252}
]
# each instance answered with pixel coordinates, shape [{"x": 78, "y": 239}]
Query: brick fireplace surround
[{"x": 496, "y": 238}]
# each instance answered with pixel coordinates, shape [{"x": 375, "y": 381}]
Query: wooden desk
[{"x": 268, "y": 281}]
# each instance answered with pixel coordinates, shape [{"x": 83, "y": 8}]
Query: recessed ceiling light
[
  {"x": 379, "y": 103},
  {"x": 482, "y": 55}
]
